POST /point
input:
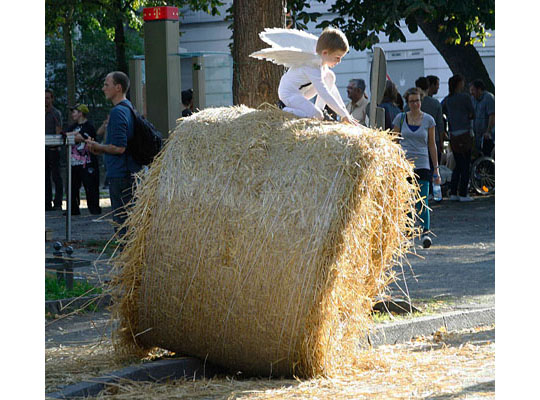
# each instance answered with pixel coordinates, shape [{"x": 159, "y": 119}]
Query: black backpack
[{"x": 146, "y": 141}]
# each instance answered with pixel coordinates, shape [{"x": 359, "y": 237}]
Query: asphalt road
[{"x": 460, "y": 264}]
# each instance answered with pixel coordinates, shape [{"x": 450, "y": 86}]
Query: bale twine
[{"x": 258, "y": 241}]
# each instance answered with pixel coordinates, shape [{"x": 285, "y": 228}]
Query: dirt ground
[{"x": 446, "y": 365}]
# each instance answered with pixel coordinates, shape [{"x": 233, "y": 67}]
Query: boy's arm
[{"x": 330, "y": 97}]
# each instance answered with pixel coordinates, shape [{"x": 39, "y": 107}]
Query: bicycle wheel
[{"x": 483, "y": 175}]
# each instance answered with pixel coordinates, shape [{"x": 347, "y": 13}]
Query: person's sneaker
[
  {"x": 57, "y": 208},
  {"x": 426, "y": 241},
  {"x": 454, "y": 197},
  {"x": 465, "y": 198}
]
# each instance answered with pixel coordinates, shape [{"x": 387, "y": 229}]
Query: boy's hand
[{"x": 351, "y": 121}]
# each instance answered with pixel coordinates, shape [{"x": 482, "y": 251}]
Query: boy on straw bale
[{"x": 309, "y": 60}]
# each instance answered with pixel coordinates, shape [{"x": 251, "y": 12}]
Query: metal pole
[
  {"x": 162, "y": 67},
  {"x": 136, "y": 78},
  {"x": 377, "y": 84},
  {"x": 199, "y": 86},
  {"x": 68, "y": 211}
]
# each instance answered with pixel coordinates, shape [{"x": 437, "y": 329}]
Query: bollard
[{"x": 68, "y": 268}]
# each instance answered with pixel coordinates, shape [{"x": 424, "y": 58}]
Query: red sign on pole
[{"x": 160, "y": 13}]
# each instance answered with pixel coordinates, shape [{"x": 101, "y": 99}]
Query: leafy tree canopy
[{"x": 461, "y": 22}]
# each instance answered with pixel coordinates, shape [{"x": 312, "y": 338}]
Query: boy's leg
[{"x": 302, "y": 107}]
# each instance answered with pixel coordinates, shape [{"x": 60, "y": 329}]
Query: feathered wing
[
  {"x": 284, "y": 38},
  {"x": 290, "y": 47},
  {"x": 289, "y": 56}
]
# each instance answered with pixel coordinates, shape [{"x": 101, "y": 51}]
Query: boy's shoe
[
  {"x": 465, "y": 198},
  {"x": 454, "y": 197},
  {"x": 426, "y": 241}
]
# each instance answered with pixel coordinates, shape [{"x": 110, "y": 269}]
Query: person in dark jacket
[
  {"x": 53, "y": 126},
  {"x": 84, "y": 165},
  {"x": 458, "y": 108}
]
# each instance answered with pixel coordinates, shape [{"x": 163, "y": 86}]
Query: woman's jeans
[
  {"x": 461, "y": 174},
  {"x": 421, "y": 208}
]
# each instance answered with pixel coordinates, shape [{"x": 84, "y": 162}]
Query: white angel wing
[
  {"x": 289, "y": 56},
  {"x": 279, "y": 37},
  {"x": 290, "y": 47}
]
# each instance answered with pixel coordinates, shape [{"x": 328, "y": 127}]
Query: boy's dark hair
[
  {"x": 479, "y": 84},
  {"x": 50, "y": 91},
  {"x": 432, "y": 79},
  {"x": 120, "y": 78},
  {"x": 332, "y": 39},
  {"x": 454, "y": 82},
  {"x": 187, "y": 96},
  {"x": 422, "y": 83}
]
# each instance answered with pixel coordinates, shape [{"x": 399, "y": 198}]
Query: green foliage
[
  {"x": 56, "y": 289},
  {"x": 95, "y": 56},
  {"x": 94, "y": 25},
  {"x": 298, "y": 17},
  {"x": 460, "y": 21}
]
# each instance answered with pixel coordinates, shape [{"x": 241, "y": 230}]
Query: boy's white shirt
[
  {"x": 296, "y": 50},
  {"x": 323, "y": 85}
]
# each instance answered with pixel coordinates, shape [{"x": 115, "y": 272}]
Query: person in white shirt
[
  {"x": 309, "y": 60},
  {"x": 357, "y": 107}
]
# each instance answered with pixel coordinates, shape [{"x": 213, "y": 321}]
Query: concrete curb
[
  {"x": 400, "y": 332},
  {"x": 64, "y": 306},
  {"x": 192, "y": 368},
  {"x": 174, "y": 368}
]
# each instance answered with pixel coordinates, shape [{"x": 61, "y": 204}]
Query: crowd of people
[
  {"x": 116, "y": 130},
  {"x": 466, "y": 120}
]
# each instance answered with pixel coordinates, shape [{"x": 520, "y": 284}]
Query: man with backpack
[{"x": 119, "y": 161}]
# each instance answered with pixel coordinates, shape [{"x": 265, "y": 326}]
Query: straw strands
[
  {"x": 258, "y": 240},
  {"x": 454, "y": 365}
]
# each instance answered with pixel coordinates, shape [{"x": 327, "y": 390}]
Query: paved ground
[{"x": 460, "y": 265}]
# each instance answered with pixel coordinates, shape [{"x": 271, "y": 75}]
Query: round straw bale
[{"x": 258, "y": 241}]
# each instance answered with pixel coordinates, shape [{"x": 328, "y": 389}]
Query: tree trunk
[
  {"x": 120, "y": 45},
  {"x": 255, "y": 81},
  {"x": 70, "y": 67},
  {"x": 463, "y": 59}
]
